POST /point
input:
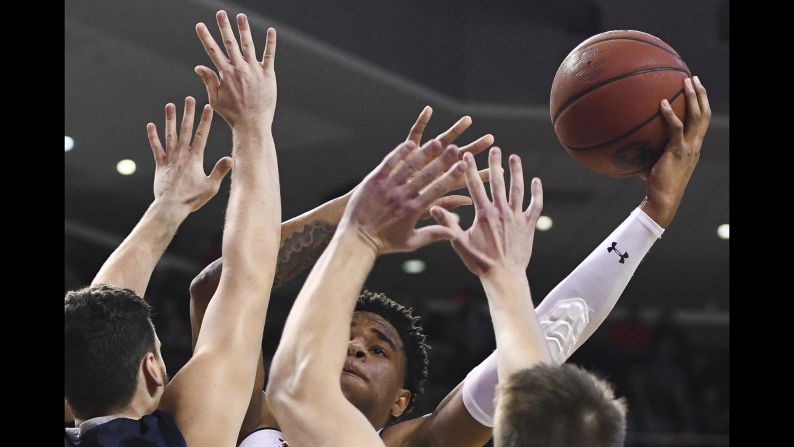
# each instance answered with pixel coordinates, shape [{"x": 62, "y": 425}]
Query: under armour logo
[{"x": 623, "y": 256}]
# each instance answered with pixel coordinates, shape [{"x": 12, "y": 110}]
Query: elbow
[
  {"x": 206, "y": 282},
  {"x": 279, "y": 394},
  {"x": 288, "y": 389}
]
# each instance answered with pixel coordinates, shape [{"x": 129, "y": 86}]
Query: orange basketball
[{"x": 605, "y": 100}]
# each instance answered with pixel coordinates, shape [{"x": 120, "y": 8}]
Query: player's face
[{"x": 374, "y": 370}]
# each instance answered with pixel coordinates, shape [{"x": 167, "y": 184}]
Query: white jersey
[
  {"x": 268, "y": 437},
  {"x": 265, "y": 437}
]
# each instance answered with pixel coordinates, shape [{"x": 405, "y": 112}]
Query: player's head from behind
[
  {"x": 112, "y": 353},
  {"x": 556, "y": 406},
  {"x": 387, "y": 359}
]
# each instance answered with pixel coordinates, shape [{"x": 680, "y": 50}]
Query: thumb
[
  {"x": 428, "y": 235},
  {"x": 211, "y": 81},
  {"x": 445, "y": 218},
  {"x": 222, "y": 167},
  {"x": 449, "y": 203}
]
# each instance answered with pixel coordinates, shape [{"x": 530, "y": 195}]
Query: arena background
[{"x": 353, "y": 76}]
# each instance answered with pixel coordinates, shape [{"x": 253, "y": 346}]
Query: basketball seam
[
  {"x": 578, "y": 96},
  {"x": 636, "y": 40},
  {"x": 625, "y": 134}
]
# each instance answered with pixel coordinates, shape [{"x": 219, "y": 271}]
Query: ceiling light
[
  {"x": 126, "y": 167},
  {"x": 414, "y": 266}
]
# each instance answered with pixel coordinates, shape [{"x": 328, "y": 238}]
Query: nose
[{"x": 356, "y": 348}]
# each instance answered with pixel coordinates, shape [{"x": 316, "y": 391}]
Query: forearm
[
  {"x": 253, "y": 217},
  {"x": 310, "y": 356},
  {"x": 518, "y": 333},
  {"x": 572, "y": 312},
  {"x": 574, "y": 309},
  {"x": 303, "y": 239},
  {"x": 250, "y": 245},
  {"x": 304, "y": 377},
  {"x": 132, "y": 263}
]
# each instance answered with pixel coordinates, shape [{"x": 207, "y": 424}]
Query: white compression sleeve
[{"x": 574, "y": 309}]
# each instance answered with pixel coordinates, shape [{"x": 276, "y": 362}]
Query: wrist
[
  {"x": 352, "y": 235},
  {"x": 168, "y": 211},
  {"x": 336, "y": 207},
  {"x": 501, "y": 272},
  {"x": 661, "y": 211},
  {"x": 505, "y": 281},
  {"x": 261, "y": 127}
]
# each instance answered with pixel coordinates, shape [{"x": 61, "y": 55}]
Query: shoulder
[{"x": 157, "y": 430}]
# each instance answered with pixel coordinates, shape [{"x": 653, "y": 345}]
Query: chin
[
  {"x": 353, "y": 389},
  {"x": 348, "y": 381}
]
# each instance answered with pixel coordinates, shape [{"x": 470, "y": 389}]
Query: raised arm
[
  {"x": 226, "y": 353},
  {"x": 304, "y": 392},
  {"x": 573, "y": 311},
  {"x": 180, "y": 187},
  {"x": 497, "y": 248},
  {"x": 576, "y": 307},
  {"x": 303, "y": 239}
]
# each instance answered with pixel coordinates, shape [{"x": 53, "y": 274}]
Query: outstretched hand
[
  {"x": 448, "y": 137},
  {"x": 179, "y": 178},
  {"x": 501, "y": 237},
  {"x": 244, "y": 90},
  {"x": 385, "y": 208}
]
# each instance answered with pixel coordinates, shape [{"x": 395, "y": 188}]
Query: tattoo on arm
[{"x": 301, "y": 250}]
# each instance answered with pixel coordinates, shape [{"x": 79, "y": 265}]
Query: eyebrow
[{"x": 382, "y": 335}]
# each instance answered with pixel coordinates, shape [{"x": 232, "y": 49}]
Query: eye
[{"x": 379, "y": 351}]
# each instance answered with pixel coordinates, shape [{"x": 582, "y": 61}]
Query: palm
[
  {"x": 502, "y": 235},
  {"x": 179, "y": 176}
]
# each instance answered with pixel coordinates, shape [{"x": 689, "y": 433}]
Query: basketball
[{"x": 604, "y": 101}]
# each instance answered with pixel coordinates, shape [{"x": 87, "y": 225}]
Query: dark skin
[{"x": 374, "y": 371}]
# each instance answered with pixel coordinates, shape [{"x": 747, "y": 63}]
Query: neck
[
  {"x": 378, "y": 422},
  {"x": 369, "y": 411}
]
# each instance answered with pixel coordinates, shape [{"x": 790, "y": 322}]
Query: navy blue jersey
[{"x": 154, "y": 430}]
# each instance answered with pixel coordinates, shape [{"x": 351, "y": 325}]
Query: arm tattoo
[{"x": 301, "y": 250}]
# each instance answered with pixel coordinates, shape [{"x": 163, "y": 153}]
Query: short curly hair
[{"x": 411, "y": 333}]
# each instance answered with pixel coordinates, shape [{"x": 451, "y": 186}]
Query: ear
[
  {"x": 400, "y": 402},
  {"x": 152, "y": 372}
]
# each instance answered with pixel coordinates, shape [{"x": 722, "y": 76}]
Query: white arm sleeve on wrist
[{"x": 574, "y": 309}]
